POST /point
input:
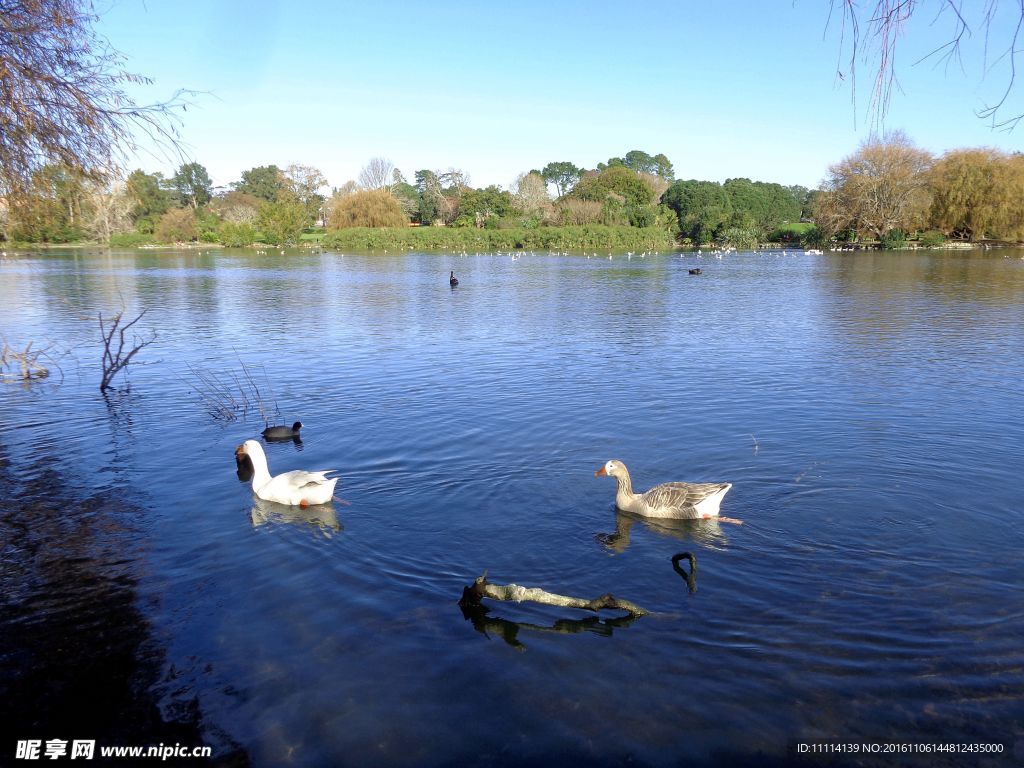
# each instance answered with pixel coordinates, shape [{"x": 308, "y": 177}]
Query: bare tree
[
  {"x": 115, "y": 356},
  {"x": 880, "y": 187},
  {"x": 305, "y": 181},
  {"x": 871, "y": 31},
  {"x": 108, "y": 208},
  {"x": 62, "y": 94},
  {"x": 530, "y": 194},
  {"x": 377, "y": 174},
  {"x": 456, "y": 180}
]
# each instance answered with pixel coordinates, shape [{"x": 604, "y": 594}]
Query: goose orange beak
[
  {"x": 240, "y": 452},
  {"x": 601, "y": 472}
]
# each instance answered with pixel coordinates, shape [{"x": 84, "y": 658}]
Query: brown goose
[{"x": 693, "y": 501}]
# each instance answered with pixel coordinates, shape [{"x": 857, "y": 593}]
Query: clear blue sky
[{"x": 724, "y": 89}]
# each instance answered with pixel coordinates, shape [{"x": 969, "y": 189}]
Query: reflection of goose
[
  {"x": 705, "y": 532},
  {"x": 322, "y": 516},
  {"x": 244, "y": 468},
  {"x": 296, "y": 488},
  {"x": 684, "y": 501}
]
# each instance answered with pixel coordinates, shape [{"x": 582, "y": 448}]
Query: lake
[{"x": 867, "y": 409}]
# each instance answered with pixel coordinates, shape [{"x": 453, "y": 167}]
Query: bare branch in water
[
  {"x": 116, "y": 358},
  {"x": 27, "y": 364},
  {"x": 481, "y": 588}
]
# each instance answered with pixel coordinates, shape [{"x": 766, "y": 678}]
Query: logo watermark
[{"x": 85, "y": 749}]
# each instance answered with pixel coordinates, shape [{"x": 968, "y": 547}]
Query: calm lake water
[{"x": 866, "y": 407}]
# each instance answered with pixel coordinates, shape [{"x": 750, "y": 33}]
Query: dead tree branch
[
  {"x": 481, "y": 588},
  {"x": 26, "y": 365},
  {"x": 115, "y": 358}
]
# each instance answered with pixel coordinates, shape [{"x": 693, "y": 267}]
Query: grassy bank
[{"x": 593, "y": 237}]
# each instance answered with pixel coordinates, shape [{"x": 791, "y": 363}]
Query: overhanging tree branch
[{"x": 63, "y": 98}]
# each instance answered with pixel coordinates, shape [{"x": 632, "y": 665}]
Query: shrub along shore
[
  {"x": 580, "y": 238},
  {"x": 591, "y": 237}
]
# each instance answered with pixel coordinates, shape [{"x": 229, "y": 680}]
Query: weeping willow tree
[
  {"x": 978, "y": 194},
  {"x": 63, "y": 97},
  {"x": 367, "y": 208}
]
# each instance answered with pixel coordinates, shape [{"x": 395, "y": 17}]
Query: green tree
[
  {"x": 236, "y": 234},
  {"x": 150, "y": 199},
  {"x": 433, "y": 204},
  {"x": 663, "y": 168},
  {"x": 759, "y": 205},
  {"x": 618, "y": 179},
  {"x": 639, "y": 161},
  {"x": 477, "y": 206},
  {"x": 283, "y": 220},
  {"x": 192, "y": 184},
  {"x": 263, "y": 182},
  {"x": 408, "y": 198},
  {"x": 703, "y": 208},
  {"x": 563, "y": 175}
]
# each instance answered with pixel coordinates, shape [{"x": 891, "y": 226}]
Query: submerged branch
[
  {"x": 481, "y": 588},
  {"x": 115, "y": 359},
  {"x": 27, "y": 364}
]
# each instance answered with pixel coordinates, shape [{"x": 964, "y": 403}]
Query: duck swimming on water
[
  {"x": 282, "y": 433},
  {"x": 683, "y": 501},
  {"x": 453, "y": 280}
]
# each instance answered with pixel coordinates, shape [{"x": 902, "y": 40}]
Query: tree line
[
  {"x": 885, "y": 192},
  {"x": 890, "y": 189},
  {"x": 67, "y": 123},
  {"x": 269, "y": 204}
]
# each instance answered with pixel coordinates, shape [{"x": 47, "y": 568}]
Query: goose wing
[
  {"x": 681, "y": 497},
  {"x": 298, "y": 479}
]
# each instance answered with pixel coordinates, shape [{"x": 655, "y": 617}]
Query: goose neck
[
  {"x": 260, "y": 470},
  {"x": 624, "y": 494}
]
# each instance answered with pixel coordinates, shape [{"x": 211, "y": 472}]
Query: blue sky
[{"x": 727, "y": 89}]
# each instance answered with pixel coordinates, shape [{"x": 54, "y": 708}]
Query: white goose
[
  {"x": 296, "y": 488},
  {"x": 692, "y": 501}
]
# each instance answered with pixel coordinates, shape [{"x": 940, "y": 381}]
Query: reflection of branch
[
  {"x": 509, "y": 630},
  {"x": 691, "y": 577},
  {"x": 481, "y": 588}
]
